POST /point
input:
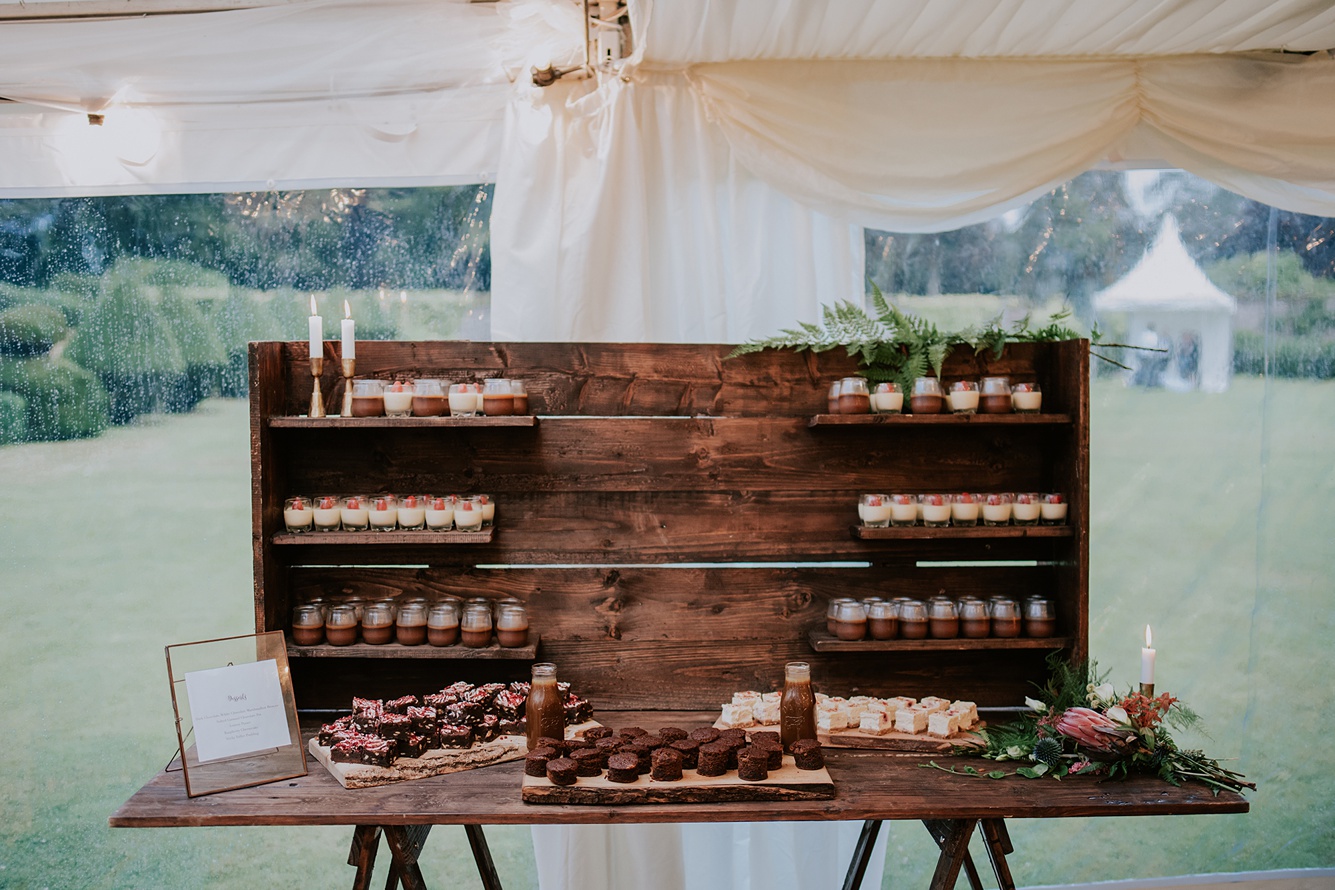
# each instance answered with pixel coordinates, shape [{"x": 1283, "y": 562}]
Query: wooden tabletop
[{"x": 871, "y": 785}]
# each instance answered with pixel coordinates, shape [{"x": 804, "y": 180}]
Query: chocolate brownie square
[
  {"x": 402, "y": 704},
  {"x": 395, "y": 726},
  {"x": 423, "y": 718},
  {"x": 348, "y": 751},
  {"x": 453, "y": 735},
  {"x": 509, "y": 705},
  {"x": 378, "y": 752}
]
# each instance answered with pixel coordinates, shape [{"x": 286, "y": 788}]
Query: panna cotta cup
[
  {"x": 439, "y": 514},
  {"x": 1025, "y": 508},
  {"x": 997, "y": 509},
  {"x": 383, "y": 513},
  {"x": 964, "y": 509},
  {"x": 935, "y": 510},
  {"x": 874, "y": 510},
  {"x": 488, "y": 505},
  {"x": 368, "y": 398},
  {"x": 412, "y": 511},
  {"x": 903, "y": 510},
  {"x": 887, "y": 398},
  {"x": 963, "y": 397},
  {"x": 468, "y": 515},
  {"x": 327, "y": 513},
  {"x": 1053, "y": 509},
  {"x": 298, "y": 515},
  {"x": 1026, "y": 398},
  {"x": 398, "y": 399},
  {"x": 355, "y": 513},
  {"x": 463, "y": 400}
]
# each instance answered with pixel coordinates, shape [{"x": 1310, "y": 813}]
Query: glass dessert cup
[
  {"x": 429, "y": 398},
  {"x": 994, "y": 396},
  {"x": 382, "y": 513},
  {"x": 355, "y": 514},
  {"x": 327, "y": 513},
  {"x": 368, "y": 398},
  {"x": 488, "y": 506},
  {"x": 308, "y": 625},
  {"x": 298, "y": 515},
  {"x": 1040, "y": 618},
  {"x": 963, "y": 397},
  {"x": 854, "y": 397},
  {"x": 997, "y": 509},
  {"x": 975, "y": 623},
  {"x": 378, "y": 623},
  {"x": 832, "y": 399},
  {"x": 964, "y": 509},
  {"x": 936, "y": 510},
  {"x": 410, "y": 624},
  {"x": 439, "y": 513},
  {"x": 850, "y": 621},
  {"x": 927, "y": 397},
  {"x": 463, "y": 398},
  {"x": 442, "y": 623},
  {"x": 1026, "y": 398},
  {"x": 1025, "y": 508},
  {"x": 341, "y": 625},
  {"x": 475, "y": 626},
  {"x": 1053, "y": 509},
  {"x": 468, "y": 515},
  {"x": 903, "y": 510},
  {"x": 913, "y": 620},
  {"x": 832, "y": 611},
  {"x": 1005, "y": 615},
  {"x": 883, "y": 620},
  {"x": 520, "y": 392},
  {"x": 943, "y": 619},
  {"x": 497, "y": 399},
  {"x": 874, "y": 510},
  {"x": 399, "y": 399},
  {"x": 512, "y": 627},
  {"x": 887, "y": 398},
  {"x": 412, "y": 512}
]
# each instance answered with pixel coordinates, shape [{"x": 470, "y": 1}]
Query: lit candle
[
  {"x": 317, "y": 332},
  {"x": 349, "y": 332},
  {"x": 1147, "y": 660}
]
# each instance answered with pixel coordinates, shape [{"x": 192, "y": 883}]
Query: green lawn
[{"x": 1229, "y": 558}]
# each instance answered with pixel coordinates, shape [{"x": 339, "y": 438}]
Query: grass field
[{"x": 1211, "y": 521}]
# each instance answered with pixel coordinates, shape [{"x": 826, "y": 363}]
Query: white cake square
[
  {"x": 737, "y": 716},
  {"x": 831, "y": 719},
  {"x": 771, "y": 697},
  {"x": 943, "y": 724},
  {"x": 911, "y": 720},
  {"x": 767, "y": 712},
  {"x": 899, "y": 703},
  {"x": 744, "y": 698},
  {"x": 875, "y": 722},
  {"x": 880, "y": 706},
  {"x": 933, "y": 703},
  {"x": 967, "y": 712},
  {"x": 855, "y": 710}
]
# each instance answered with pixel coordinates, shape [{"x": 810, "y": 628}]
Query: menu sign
[{"x": 237, "y": 709}]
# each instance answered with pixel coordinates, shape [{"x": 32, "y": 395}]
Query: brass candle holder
[
  {"x": 1147, "y": 690},
  {"x": 349, "y": 370},
  {"x": 317, "y": 398}
]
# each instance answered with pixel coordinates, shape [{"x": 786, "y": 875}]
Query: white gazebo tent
[{"x": 1167, "y": 297}]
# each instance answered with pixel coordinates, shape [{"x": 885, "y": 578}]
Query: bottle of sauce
[
  {"x": 545, "y": 711},
  {"x": 797, "y": 706}
]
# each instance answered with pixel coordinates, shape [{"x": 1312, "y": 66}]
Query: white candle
[
  {"x": 316, "y": 332},
  {"x": 1147, "y": 655},
  {"x": 349, "y": 332}
]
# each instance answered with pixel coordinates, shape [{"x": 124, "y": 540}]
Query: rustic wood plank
[
  {"x": 857, "y": 867},
  {"x": 521, "y": 421},
  {"x": 822, "y": 641},
  {"x": 917, "y": 532},
  {"x": 394, "y": 650},
  {"x": 426, "y": 538},
  {"x": 787, "y": 783},
  {"x": 954, "y": 842},
  {"x": 486, "y": 869},
  {"x": 911, "y": 420},
  {"x": 365, "y": 843}
]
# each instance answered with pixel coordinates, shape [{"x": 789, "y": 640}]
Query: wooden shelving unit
[
  {"x": 394, "y": 650},
  {"x": 380, "y": 539},
  {"x": 962, "y": 533},
  {"x": 912, "y": 420},
  {"x": 302, "y": 422},
  {"x": 822, "y": 641}
]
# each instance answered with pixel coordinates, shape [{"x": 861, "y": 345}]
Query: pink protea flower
[{"x": 1093, "y": 730}]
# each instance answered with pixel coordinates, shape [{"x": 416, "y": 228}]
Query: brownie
[
  {"x": 509, "y": 704},
  {"x": 731, "y": 736},
  {"x": 573, "y": 745},
  {"x": 713, "y": 759},
  {"x": 394, "y": 726},
  {"x": 332, "y": 733},
  {"x": 402, "y": 704},
  {"x": 488, "y": 728},
  {"x": 562, "y": 771},
  {"x": 413, "y": 745},
  {"x": 379, "y": 752},
  {"x": 631, "y": 732},
  {"x": 589, "y": 761},
  {"x": 577, "y": 710},
  {"x": 653, "y": 741},
  {"x": 807, "y": 754},
  {"x": 753, "y": 765},
  {"x": 671, "y": 734},
  {"x": 453, "y": 735},
  {"x": 422, "y": 718},
  {"x": 689, "y": 749},
  {"x": 348, "y": 751},
  {"x": 641, "y": 753},
  {"x": 773, "y": 749},
  {"x": 465, "y": 712},
  {"x": 594, "y": 733},
  {"x": 535, "y": 761},
  {"x": 521, "y": 687},
  {"x": 550, "y": 742},
  {"x": 666, "y": 765},
  {"x": 438, "y": 700},
  {"x": 623, "y": 768},
  {"x": 513, "y": 727},
  {"x": 362, "y": 707},
  {"x": 766, "y": 736},
  {"x": 609, "y": 745},
  {"x": 704, "y": 735}
]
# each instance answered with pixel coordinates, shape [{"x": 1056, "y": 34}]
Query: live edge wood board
[{"x": 674, "y": 519}]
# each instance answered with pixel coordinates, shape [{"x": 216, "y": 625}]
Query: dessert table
[{"x": 873, "y": 786}]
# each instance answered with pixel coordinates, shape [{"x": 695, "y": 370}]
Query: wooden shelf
[
  {"x": 938, "y": 419},
  {"x": 394, "y": 650},
  {"x": 822, "y": 641},
  {"x": 342, "y": 539},
  {"x": 399, "y": 423},
  {"x": 920, "y": 532}
]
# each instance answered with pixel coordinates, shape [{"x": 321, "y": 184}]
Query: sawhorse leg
[
  {"x": 405, "y": 846},
  {"x": 857, "y": 868},
  {"x": 952, "y": 836}
]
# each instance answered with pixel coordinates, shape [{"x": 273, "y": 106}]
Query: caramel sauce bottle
[
  {"x": 545, "y": 710},
  {"x": 797, "y": 707}
]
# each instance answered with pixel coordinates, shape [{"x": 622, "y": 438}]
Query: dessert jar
[
  {"x": 327, "y": 513},
  {"x": 307, "y": 625},
  {"x": 398, "y": 399},
  {"x": 975, "y": 623},
  {"x": 854, "y": 396},
  {"x": 797, "y": 705},
  {"x": 913, "y": 620},
  {"x": 903, "y": 510},
  {"x": 1040, "y": 618},
  {"x": 412, "y": 512},
  {"x": 512, "y": 627},
  {"x": 520, "y": 393},
  {"x": 1025, "y": 508},
  {"x": 439, "y": 513},
  {"x": 994, "y": 396},
  {"x": 429, "y": 398},
  {"x": 874, "y": 510},
  {"x": 475, "y": 626},
  {"x": 497, "y": 400},
  {"x": 887, "y": 398},
  {"x": 883, "y": 620},
  {"x": 832, "y": 399},
  {"x": 442, "y": 623},
  {"x": 545, "y": 710},
  {"x": 463, "y": 400},
  {"x": 964, "y": 509},
  {"x": 341, "y": 626},
  {"x": 963, "y": 397},
  {"x": 468, "y": 515},
  {"x": 850, "y": 621},
  {"x": 355, "y": 514},
  {"x": 832, "y": 611},
  {"x": 500, "y": 605},
  {"x": 935, "y": 510},
  {"x": 487, "y": 504},
  {"x": 1026, "y": 398},
  {"x": 298, "y": 515},
  {"x": 926, "y": 397},
  {"x": 1053, "y": 509},
  {"x": 943, "y": 619},
  {"x": 383, "y": 513},
  {"x": 368, "y": 398},
  {"x": 410, "y": 624},
  {"x": 378, "y": 623},
  {"x": 1005, "y": 614},
  {"x": 997, "y": 509}
]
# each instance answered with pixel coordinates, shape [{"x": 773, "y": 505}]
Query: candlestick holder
[
  {"x": 349, "y": 371},
  {"x": 317, "y": 398},
  {"x": 1147, "y": 690}
]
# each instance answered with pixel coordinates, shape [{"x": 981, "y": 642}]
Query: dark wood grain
[
  {"x": 394, "y": 650},
  {"x": 894, "y": 533},
  {"x": 402, "y": 423},
  {"x": 824, "y": 642},
  {"x": 912, "y": 420},
  {"x": 787, "y": 784},
  {"x": 424, "y": 538}
]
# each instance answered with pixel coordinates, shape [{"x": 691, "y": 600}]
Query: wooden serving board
[
  {"x": 788, "y": 783},
  {"x": 437, "y": 762},
  {"x": 921, "y": 743}
]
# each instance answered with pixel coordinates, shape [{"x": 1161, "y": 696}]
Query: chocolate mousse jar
[
  {"x": 913, "y": 620},
  {"x": 832, "y": 610},
  {"x": 475, "y": 626},
  {"x": 850, "y": 622},
  {"x": 520, "y": 393},
  {"x": 429, "y": 398},
  {"x": 378, "y": 623},
  {"x": 410, "y": 624},
  {"x": 512, "y": 627},
  {"x": 497, "y": 399},
  {"x": 1040, "y": 619},
  {"x": 341, "y": 625},
  {"x": 927, "y": 397},
  {"x": 975, "y": 623},
  {"x": 994, "y": 396},
  {"x": 442, "y": 623},
  {"x": 1005, "y": 615},
  {"x": 883, "y": 621},
  {"x": 943, "y": 620},
  {"x": 854, "y": 396},
  {"x": 307, "y": 625},
  {"x": 368, "y": 398},
  {"x": 832, "y": 399}
]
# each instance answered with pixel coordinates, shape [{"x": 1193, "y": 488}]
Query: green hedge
[
  {"x": 30, "y": 330},
  {"x": 1309, "y": 357},
  {"x": 13, "y": 418},
  {"x": 63, "y": 400}
]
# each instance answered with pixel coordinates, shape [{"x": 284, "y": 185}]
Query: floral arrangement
[{"x": 1080, "y": 725}]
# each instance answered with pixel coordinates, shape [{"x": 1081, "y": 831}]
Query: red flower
[
  {"x": 1146, "y": 712},
  {"x": 1093, "y": 730}
]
